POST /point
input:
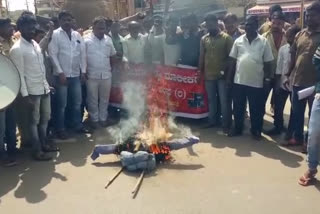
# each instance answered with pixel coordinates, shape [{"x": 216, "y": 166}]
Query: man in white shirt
[
  {"x": 134, "y": 45},
  {"x": 27, "y": 56},
  {"x": 100, "y": 49},
  {"x": 252, "y": 55},
  {"x": 68, "y": 53},
  {"x": 171, "y": 51},
  {"x": 282, "y": 92},
  {"x": 155, "y": 41}
]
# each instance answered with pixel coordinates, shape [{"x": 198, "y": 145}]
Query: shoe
[
  {"x": 62, "y": 135},
  {"x": 9, "y": 162},
  {"x": 226, "y": 131},
  {"x": 94, "y": 125},
  {"x": 234, "y": 133},
  {"x": 273, "y": 132},
  {"x": 257, "y": 136},
  {"x": 83, "y": 130},
  {"x": 40, "y": 156},
  {"x": 288, "y": 136},
  {"x": 292, "y": 142}
]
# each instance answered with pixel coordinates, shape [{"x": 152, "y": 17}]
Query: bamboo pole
[
  {"x": 113, "y": 178},
  {"x": 137, "y": 186}
]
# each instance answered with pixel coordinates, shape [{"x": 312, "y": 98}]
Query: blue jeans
[
  {"x": 70, "y": 95},
  {"x": 40, "y": 116},
  {"x": 314, "y": 136},
  {"x": 298, "y": 111},
  {"x": 216, "y": 89}
]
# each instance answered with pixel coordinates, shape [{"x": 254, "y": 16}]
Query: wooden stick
[
  {"x": 137, "y": 187},
  {"x": 113, "y": 178}
]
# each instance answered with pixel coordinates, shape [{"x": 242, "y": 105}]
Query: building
[
  {"x": 3, "y": 8},
  {"x": 200, "y": 8},
  {"x": 288, "y": 6},
  {"x": 49, "y": 8}
]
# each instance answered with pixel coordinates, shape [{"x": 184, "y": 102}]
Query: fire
[{"x": 155, "y": 130}]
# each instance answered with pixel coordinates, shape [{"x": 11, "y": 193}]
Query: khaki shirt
[
  {"x": 267, "y": 26},
  {"x": 216, "y": 53},
  {"x": 268, "y": 35},
  {"x": 5, "y": 46},
  {"x": 304, "y": 47}
]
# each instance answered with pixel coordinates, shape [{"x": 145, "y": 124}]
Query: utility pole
[
  {"x": 27, "y": 4},
  {"x": 35, "y": 7}
]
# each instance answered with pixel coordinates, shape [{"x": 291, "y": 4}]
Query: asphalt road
[{"x": 219, "y": 175}]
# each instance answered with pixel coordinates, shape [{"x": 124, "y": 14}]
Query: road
[{"x": 219, "y": 175}]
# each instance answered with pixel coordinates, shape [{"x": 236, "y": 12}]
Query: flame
[{"x": 155, "y": 130}]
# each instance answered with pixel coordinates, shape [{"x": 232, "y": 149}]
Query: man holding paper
[
  {"x": 314, "y": 131},
  {"x": 303, "y": 71}
]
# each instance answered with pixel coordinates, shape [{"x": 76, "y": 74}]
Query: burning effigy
[{"x": 149, "y": 134}]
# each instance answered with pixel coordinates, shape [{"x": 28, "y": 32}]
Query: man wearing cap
[{"x": 7, "y": 117}]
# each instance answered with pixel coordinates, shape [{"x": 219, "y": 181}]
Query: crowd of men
[{"x": 239, "y": 67}]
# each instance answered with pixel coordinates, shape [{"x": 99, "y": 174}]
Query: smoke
[{"x": 134, "y": 101}]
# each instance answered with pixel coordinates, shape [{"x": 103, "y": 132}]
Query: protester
[
  {"x": 314, "y": 131},
  {"x": 267, "y": 25},
  {"x": 252, "y": 55},
  {"x": 189, "y": 40},
  {"x": 281, "y": 91},
  {"x": 276, "y": 38},
  {"x": 214, "y": 57},
  {"x": 155, "y": 41},
  {"x": 134, "y": 45},
  {"x": 302, "y": 70},
  {"x": 7, "y": 116},
  {"x": 67, "y": 51},
  {"x": 171, "y": 51},
  {"x": 232, "y": 28},
  {"x": 34, "y": 86},
  {"x": 100, "y": 49}
]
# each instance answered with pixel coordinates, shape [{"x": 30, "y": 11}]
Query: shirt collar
[
  {"x": 246, "y": 38},
  {"x": 131, "y": 38},
  {"x": 26, "y": 42}
]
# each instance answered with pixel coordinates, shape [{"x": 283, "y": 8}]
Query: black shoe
[
  {"x": 273, "y": 132},
  {"x": 62, "y": 135},
  {"x": 256, "y": 136},
  {"x": 83, "y": 130},
  {"x": 235, "y": 133},
  {"x": 40, "y": 156}
]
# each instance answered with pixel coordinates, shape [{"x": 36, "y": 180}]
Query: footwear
[
  {"x": 234, "y": 133},
  {"x": 226, "y": 131},
  {"x": 94, "y": 125},
  {"x": 292, "y": 142},
  {"x": 308, "y": 178},
  {"x": 40, "y": 156},
  {"x": 273, "y": 132},
  {"x": 83, "y": 130},
  {"x": 288, "y": 136},
  {"x": 304, "y": 148},
  {"x": 50, "y": 148},
  {"x": 257, "y": 136},
  {"x": 62, "y": 135},
  {"x": 9, "y": 162}
]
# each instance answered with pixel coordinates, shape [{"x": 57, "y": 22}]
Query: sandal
[
  {"x": 292, "y": 142},
  {"x": 308, "y": 178}
]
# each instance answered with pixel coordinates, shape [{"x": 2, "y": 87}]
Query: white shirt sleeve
[
  {"x": 113, "y": 50},
  {"x": 83, "y": 55},
  {"x": 234, "y": 51},
  {"x": 267, "y": 52},
  {"x": 125, "y": 50},
  {"x": 53, "y": 51},
  {"x": 17, "y": 58}
]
